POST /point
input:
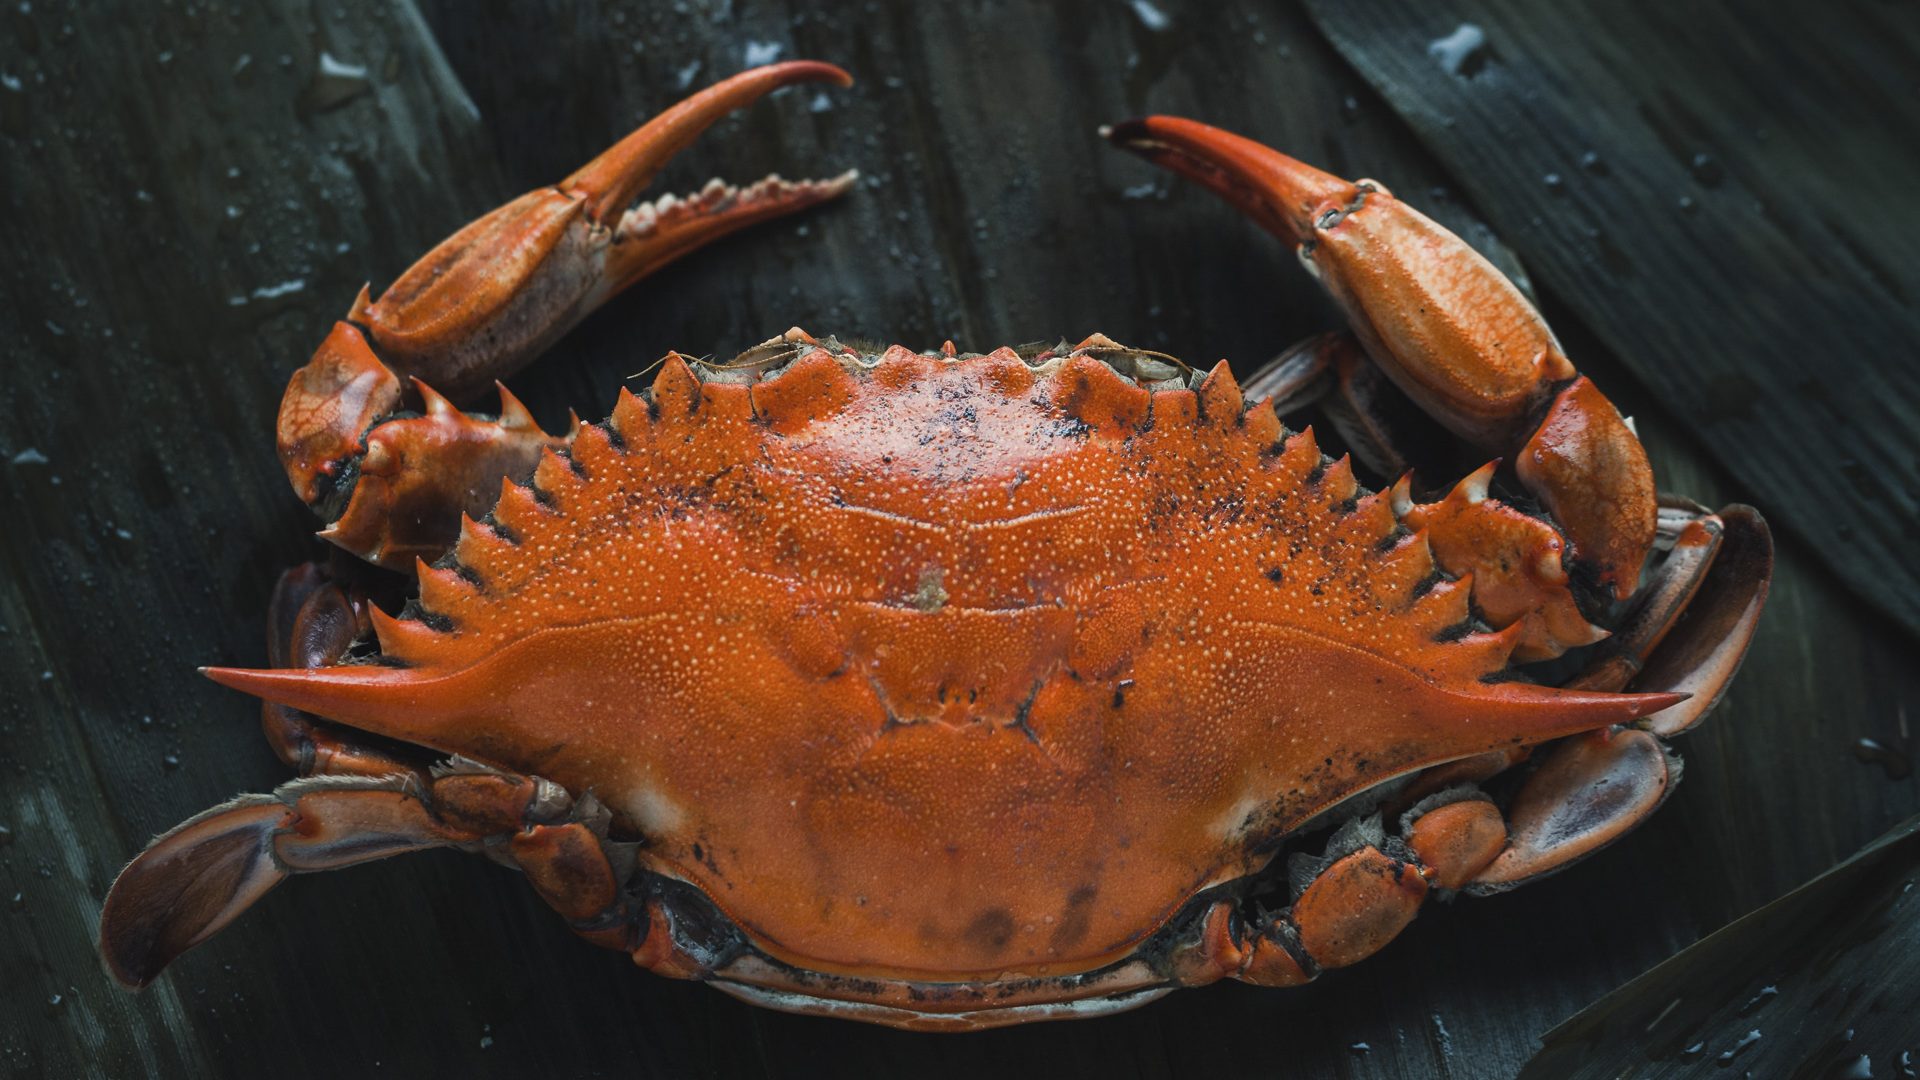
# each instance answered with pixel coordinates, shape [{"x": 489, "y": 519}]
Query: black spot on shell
[{"x": 991, "y": 929}]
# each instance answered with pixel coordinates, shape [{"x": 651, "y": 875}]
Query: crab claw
[
  {"x": 484, "y": 302},
  {"x": 1447, "y": 327},
  {"x": 496, "y": 293}
]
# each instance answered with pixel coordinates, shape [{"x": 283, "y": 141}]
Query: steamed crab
[{"x": 947, "y": 689}]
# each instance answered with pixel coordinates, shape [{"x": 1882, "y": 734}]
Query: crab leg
[
  {"x": 311, "y": 622},
  {"x": 195, "y": 879},
  {"x": 1349, "y": 902},
  {"x": 1592, "y": 789},
  {"x": 1466, "y": 345},
  {"x": 482, "y": 304},
  {"x": 1330, "y": 370}
]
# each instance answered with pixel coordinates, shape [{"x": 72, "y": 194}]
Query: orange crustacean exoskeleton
[{"x": 945, "y": 689}]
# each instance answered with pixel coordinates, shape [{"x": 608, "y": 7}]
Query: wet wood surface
[{"x": 195, "y": 192}]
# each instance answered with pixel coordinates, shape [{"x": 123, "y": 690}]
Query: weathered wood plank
[
  {"x": 1724, "y": 200},
  {"x": 991, "y": 215},
  {"x": 1821, "y": 982}
]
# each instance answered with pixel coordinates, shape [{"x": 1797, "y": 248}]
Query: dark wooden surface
[
  {"x": 1821, "y": 982},
  {"x": 191, "y": 200},
  {"x": 1633, "y": 151}
]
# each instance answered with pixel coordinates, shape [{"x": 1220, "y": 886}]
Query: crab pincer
[
  {"x": 1460, "y": 339},
  {"x": 392, "y": 470}
]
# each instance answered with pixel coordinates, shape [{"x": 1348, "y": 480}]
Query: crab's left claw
[
  {"x": 1457, "y": 336},
  {"x": 367, "y": 432}
]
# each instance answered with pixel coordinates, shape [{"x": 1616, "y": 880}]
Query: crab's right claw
[
  {"x": 496, "y": 293},
  {"x": 1450, "y": 330},
  {"x": 483, "y": 303}
]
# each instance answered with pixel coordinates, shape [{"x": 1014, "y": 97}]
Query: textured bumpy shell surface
[{"x": 946, "y": 668}]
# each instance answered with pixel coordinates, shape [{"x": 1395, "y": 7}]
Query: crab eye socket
[{"x": 1329, "y": 219}]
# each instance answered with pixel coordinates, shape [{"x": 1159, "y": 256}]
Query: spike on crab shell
[
  {"x": 1402, "y": 495},
  {"x": 1220, "y": 398},
  {"x": 631, "y": 416},
  {"x": 1262, "y": 423},
  {"x": 518, "y": 508},
  {"x": 676, "y": 389},
  {"x": 361, "y": 692},
  {"x": 1337, "y": 481},
  {"x": 442, "y": 589},
  {"x": 1497, "y": 645},
  {"x": 1371, "y": 520},
  {"x": 1403, "y": 569},
  {"x": 1090, "y": 391}
]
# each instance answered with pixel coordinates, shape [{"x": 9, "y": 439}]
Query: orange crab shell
[{"x": 946, "y": 669}]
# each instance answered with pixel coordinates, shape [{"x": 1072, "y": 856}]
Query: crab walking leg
[
  {"x": 1330, "y": 370},
  {"x": 481, "y": 305},
  {"x": 1453, "y": 333},
  {"x": 311, "y": 622},
  {"x": 1349, "y": 902},
  {"x": 1592, "y": 789},
  {"x": 195, "y": 879}
]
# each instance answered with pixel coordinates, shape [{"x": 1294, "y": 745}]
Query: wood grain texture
[
  {"x": 1821, "y": 982},
  {"x": 1721, "y": 200},
  {"x": 171, "y": 174}
]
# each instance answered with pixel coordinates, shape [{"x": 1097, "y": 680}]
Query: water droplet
[
  {"x": 1755, "y": 1003},
  {"x": 684, "y": 77},
  {"x": 1555, "y": 184},
  {"x": 1860, "y": 1069},
  {"x": 30, "y": 456},
  {"x": 820, "y": 103},
  {"x": 1360, "y": 1049},
  {"x": 1151, "y": 16},
  {"x": 1733, "y": 1051},
  {"x": 335, "y": 82},
  {"x": 1593, "y": 164},
  {"x": 1706, "y": 170},
  {"x": 13, "y": 105},
  {"x": 1687, "y": 205},
  {"x": 1869, "y": 751},
  {"x": 1463, "y": 52},
  {"x": 171, "y": 760},
  {"x": 763, "y": 52}
]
